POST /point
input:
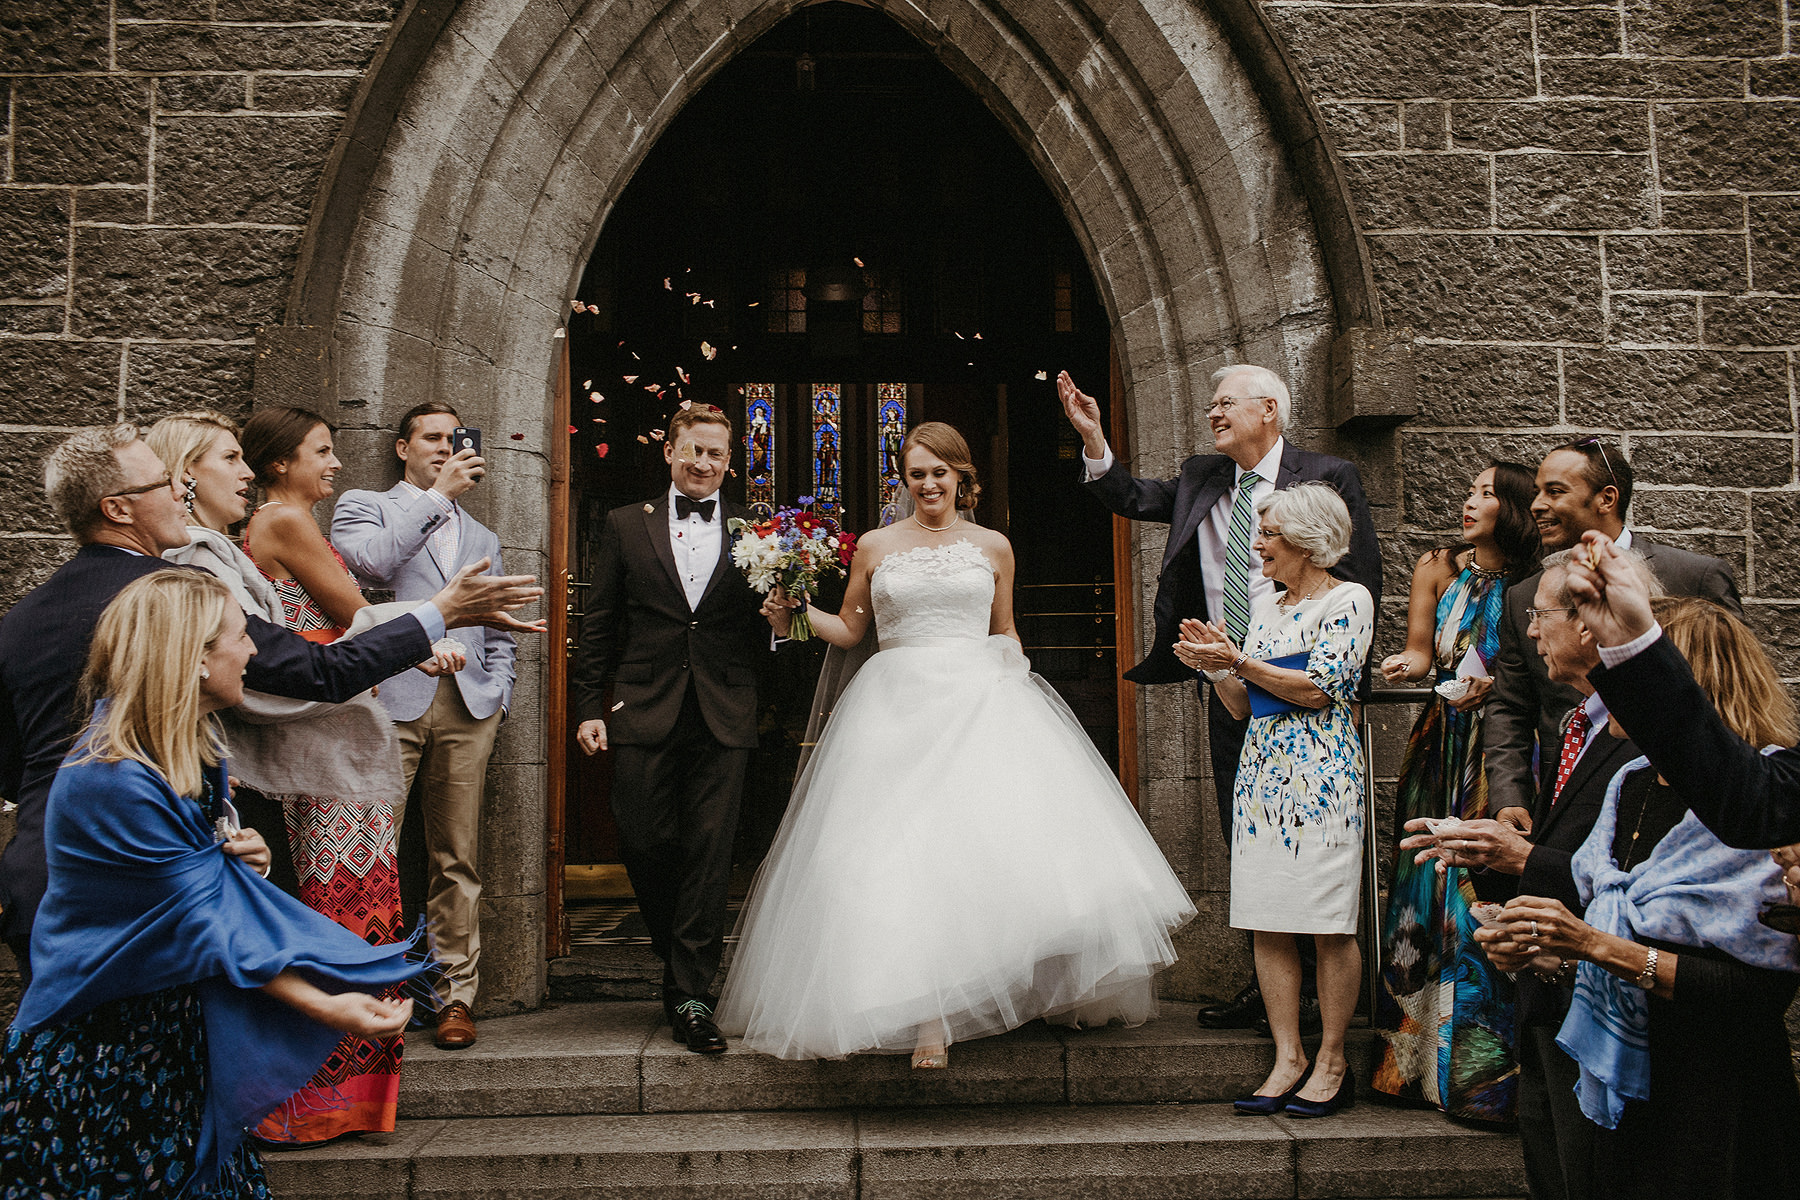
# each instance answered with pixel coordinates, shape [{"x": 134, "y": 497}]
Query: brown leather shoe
[{"x": 455, "y": 1027}]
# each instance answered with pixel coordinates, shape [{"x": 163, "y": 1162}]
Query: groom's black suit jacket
[
  {"x": 639, "y": 635},
  {"x": 1182, "y": 503},
  {"x": 44, "y": 643}
]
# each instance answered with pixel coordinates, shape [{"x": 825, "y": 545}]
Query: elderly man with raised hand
[
  {"x": 1747, "y": 798},
  {"x": 1558, "y": 1141},
  {"x": 1585, "y": 485},
  {"x": 1208, "y": 570},
  {"x": 115, "y": 497}
]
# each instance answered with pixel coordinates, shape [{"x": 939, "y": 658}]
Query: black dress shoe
[
  {"x": 1240, "y": 1012},
  {"x": 1311, "y": 1020},
  {"x": 693, "y": 1027}
]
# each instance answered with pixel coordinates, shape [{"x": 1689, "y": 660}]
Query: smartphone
[{"x": 465, "y": 439}]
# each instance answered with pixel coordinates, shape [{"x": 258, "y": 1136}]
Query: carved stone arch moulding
[{"x": 491, "y": 138}]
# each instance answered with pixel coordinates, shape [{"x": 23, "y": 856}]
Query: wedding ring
[{"x": 1534, "y": 931}]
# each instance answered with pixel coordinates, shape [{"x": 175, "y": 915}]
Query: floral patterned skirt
[{"x": 109, "y": 1104}]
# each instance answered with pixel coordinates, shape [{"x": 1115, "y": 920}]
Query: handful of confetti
[{"x": 794, "y": 549}]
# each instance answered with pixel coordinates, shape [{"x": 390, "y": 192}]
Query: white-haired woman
[
  {"x": 1296, "y": 845},
  {"x": 177, "y": 996}
]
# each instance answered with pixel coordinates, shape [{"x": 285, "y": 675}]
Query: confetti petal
[
  {"x": 572, "y": 429},
  {"x": 631, "y": 379},
  {"x": 709, "y": 350},
  {"x": 595, "y": 397},
  {"x": 686, "y": 404},
  {"x": 519, "y": 437},
  {"x": 601, "y": 449},
  {"x": 646, "y": 442},
  {"x": 1042, "y": 375},
  {"x": 594, "y": 308},
  {"x": 710, "y": 304},
  {"x": 667, "y": 286},
  {"x": 587, "y": 383},
  {"x": 857, "y": 261},
  {"x": 753, "y": 304},
  {"x": 575, "y": 306},
  {"x": 683, "y": 374}
]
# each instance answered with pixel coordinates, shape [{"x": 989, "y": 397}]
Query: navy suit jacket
[
  {"x": 43, "y": 651},
  {"x": 1183, "y": 502},
  {"x": 1748, "y": 799}
]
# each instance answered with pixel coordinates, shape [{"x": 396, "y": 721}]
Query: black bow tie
[{"x": 685, "y": 508}]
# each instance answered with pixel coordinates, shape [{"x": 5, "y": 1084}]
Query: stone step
[
  {"x": 617, "y": 1057},
  {"x": 1140, "y": 1152}
]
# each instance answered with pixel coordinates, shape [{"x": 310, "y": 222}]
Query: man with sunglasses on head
[{"x": 1583, "y": 485}]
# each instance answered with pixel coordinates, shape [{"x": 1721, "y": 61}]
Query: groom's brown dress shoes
[
  {"x": 693, "y": 1027},
  {"x": 455, "y": 1027}
]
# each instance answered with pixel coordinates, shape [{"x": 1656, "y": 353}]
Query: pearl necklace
[
  {"x": 937, "y": 528},
  {"x": 1284, "y": 602}
]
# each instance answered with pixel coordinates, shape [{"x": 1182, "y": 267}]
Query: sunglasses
[
  {"x": 1597, "y": 444},
  {"x": 165, "y": 481}
]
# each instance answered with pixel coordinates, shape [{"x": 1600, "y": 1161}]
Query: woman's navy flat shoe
[
  {"x": 1268, "y": 1106},
  {"x": 1343, "y": 1098}
]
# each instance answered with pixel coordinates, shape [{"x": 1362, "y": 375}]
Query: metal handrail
[{"x": 1371, "y": 869}]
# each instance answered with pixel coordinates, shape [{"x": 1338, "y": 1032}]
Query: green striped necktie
[{"x": 1237, "y": 558}]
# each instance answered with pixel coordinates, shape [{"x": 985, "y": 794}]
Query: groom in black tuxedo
[
  {"x": 674, "y": 630},
  {"x": 1205, "y": 573}
]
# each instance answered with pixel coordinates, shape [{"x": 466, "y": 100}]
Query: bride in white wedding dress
[{"x": 956, "y": 859}]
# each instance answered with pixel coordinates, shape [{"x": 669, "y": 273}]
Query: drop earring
[{"x": 187, "y": 499}]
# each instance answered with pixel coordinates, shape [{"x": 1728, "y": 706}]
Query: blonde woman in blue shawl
[
  {"x": 177, "y": 996},
  {"x": 1680, "y": 991}
]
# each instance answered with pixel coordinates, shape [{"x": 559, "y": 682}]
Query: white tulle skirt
[{"x": 955, "y": 852}]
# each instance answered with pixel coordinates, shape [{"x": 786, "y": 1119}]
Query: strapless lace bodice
[{"x": 933, "y": 591}]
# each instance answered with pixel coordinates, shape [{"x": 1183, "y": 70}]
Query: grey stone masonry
[
  {"x": 1590, "y": 214},
  {"x": 158, "y": 162}
]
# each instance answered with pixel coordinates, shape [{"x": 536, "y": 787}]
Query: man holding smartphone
[{"x": 410, "y": 538}]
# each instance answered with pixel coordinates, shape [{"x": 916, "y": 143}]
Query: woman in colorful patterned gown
[
  {"x": 177, "y": 996},
  {"x": 1446, "y": 1015},
  {"x": 334, "y": 769},
  {"x": 1296, "y": 838}
]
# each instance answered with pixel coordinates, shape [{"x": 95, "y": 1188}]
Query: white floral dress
[{"x": 1297, "y": 833}]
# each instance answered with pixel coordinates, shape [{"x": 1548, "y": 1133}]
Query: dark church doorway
[{"x": 833, "y": 241}]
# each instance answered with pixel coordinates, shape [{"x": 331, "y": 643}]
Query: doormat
[{"x": 608, "y": 923}]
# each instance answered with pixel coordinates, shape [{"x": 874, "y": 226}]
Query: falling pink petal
[
  {"x": 594, "y": 308},
  {"x": 1042, "y": 375},
  {"x": 753, "y": 304},
  {"x": 658, "y": 434},
  {"x": 601, "y": 449},
  {"x": 709, "y": 350},
  {"x": 595, "y": 397},
  {"x": 695, "y": 299},
  {"x": 518, "y": 437},
  {"x": 710, "y": 304},
  {"x": 683, "y": 374},
  {"x": 587, "y": 383},
  {"x": 599, "y": 420},
  {"x": 631, "y": 379},
  {"x": 574, "y": 429},
  {"x": 643, "y": 439},
  {"x": 686, "y": 404},
  {"x": 667, "y": 286},
  {"x": 651, "y": 387},
  {"x": 575, "y": 306},
  {"x": 857, "y": 261},
  {"x": 978, "y": 337}
]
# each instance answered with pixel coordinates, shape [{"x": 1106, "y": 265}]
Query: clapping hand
[
  {"x": 1610, "y": 596},
  {"x": 1205, "y": 647}
]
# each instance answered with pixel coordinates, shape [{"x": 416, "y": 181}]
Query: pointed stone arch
[{"x": 491, "y": 139}]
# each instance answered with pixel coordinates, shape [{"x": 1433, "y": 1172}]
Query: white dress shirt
[
  {"x": 1216, "y": 528},
  {"x": 697, "y": 544}
]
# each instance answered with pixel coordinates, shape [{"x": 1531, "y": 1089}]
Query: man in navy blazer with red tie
[{"x": 1203, "y": 575}]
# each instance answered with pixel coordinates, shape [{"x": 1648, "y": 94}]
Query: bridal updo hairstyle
[
  {"x": 273, "y": 435},
  {"x": 1314, "y": 519},
  {"x": 943, "y": 441}
]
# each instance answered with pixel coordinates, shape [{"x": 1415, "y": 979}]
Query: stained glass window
[
  {"x": 827, "y": 448},
  {"x": 1062, "y": 297},
  {"x": 759, "y": 448},
  {"x": 890, "y": 421},
  {"x": 787, "y": 300},
  {"x": 881, "y": 303}
]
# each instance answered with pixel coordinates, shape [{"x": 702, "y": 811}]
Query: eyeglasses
[
  {"x": 165, "y": 481},
  {"x": 1536, "y": 614},
  {"x": 1597, "y": 444},
  {"x": 1227, "y": 404}
]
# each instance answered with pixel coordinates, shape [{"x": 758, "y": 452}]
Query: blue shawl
[
  {"x": 142, "y": 898},
  {"x": 1693, "y": 890}
]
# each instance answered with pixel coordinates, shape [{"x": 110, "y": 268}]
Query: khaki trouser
[{"x": 451, "y": 747}]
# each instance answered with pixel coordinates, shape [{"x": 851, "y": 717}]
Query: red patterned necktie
[{"x": 1573, "y": 740}]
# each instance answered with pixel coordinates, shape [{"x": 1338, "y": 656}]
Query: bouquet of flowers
[{"x": 794, "y": 548}]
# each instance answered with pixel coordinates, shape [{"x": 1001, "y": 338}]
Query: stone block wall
[
  {"x": 160, "y": 161},
  {"x": 1590, "y": 214}
]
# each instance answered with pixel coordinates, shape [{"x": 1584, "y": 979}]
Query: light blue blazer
[{"x": 385, "y": 537}]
